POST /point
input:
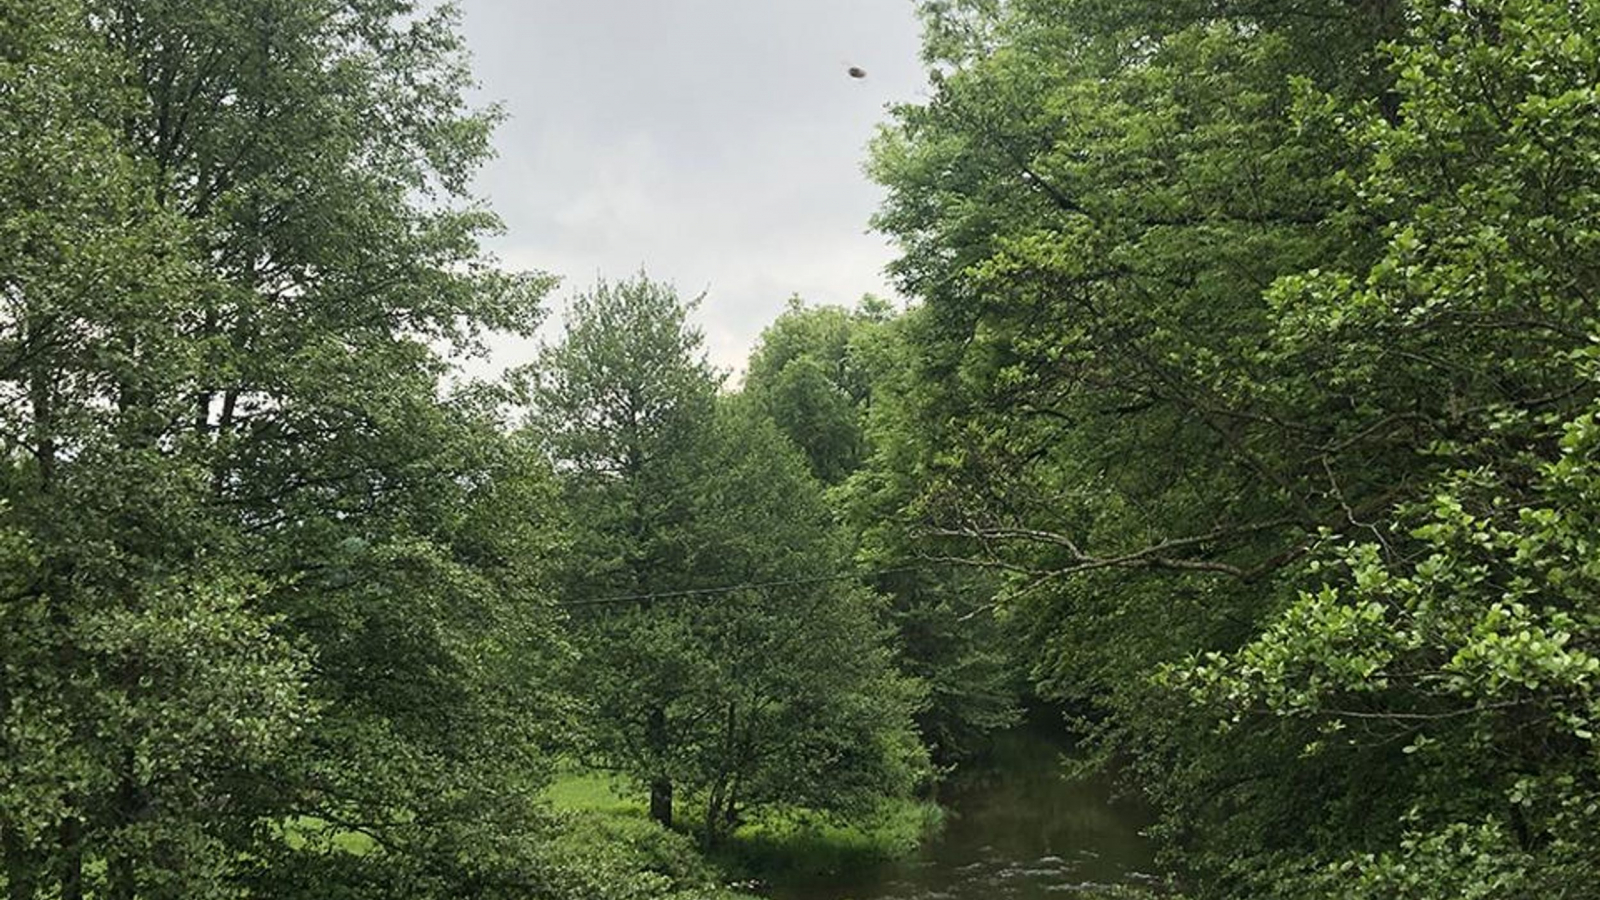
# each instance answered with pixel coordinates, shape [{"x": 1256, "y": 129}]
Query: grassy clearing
[
  {"x": 609, "y": 828},
  {"x": 776, "y": 846},
  {"x": 598, "y": 792}
]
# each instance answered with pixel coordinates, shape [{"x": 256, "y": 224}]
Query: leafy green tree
[
  {"x": 1449, "y": 652},
  {"x": 835, "y": 382},
  {"x": 725, "y": 653},
  {"x": 944, "y": 615},
  {"x": 808, "y": 372},
  {"x": 141, "y": 676},
  {"x": 257, "y": 586},
  {"x": 622, "y": 403},
  {"x": 1466, "y": 673},
  {"x": 805, "y": 707},
  {"x": 1204, "y": 287}
]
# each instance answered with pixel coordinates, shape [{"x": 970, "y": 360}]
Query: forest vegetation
[{"x": 1244, "y": 407}]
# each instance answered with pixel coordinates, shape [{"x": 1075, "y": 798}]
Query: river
[{"x": 1016, "y": 829}]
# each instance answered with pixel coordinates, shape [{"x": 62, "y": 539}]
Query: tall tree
[
  {"x": 837, "y": 383},
  {"x": 1209, "y": 285},
  {"x": 1450, "y": 649},
  {"x": 253, "y": 548},
  {"x": 952, "y": 634},
  {"x": 809, "y": 373},
  {"x": 710, "y": 599},
  {"x": 141, "y": 675},
  {"x": 623, "y": 402},
  {"x": 804, "y": 706}
]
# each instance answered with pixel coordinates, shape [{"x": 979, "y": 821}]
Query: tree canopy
[
  {"x": 1211, "y": 290},
  {"x": 1243, "y": 407}
]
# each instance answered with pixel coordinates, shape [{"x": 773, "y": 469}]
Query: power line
[{"x": 745, "y": 586}]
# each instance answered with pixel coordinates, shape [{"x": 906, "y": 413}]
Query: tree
[
  {"x": 804, "y": 706},
  {"x": 1465, "y": 672},
  {"x": 808, "y": 374},
  {"x": 1206, "y": 287},
  {"x": 622, "y": 403},
  {"x": 835, "y": 382},
  {"x": 138, "y": 665},
  {"x": 944, "y": 615},
  {"x": 724, "y": 653},
  {"x": 1449, "y": 648},
  {"x": 252, "y": 548}
]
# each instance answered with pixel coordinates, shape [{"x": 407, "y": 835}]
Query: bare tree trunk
[
  {"x": 719, "y": 805},
  {"x": 41, "y": 394},
  {"x": 730, "y": 809},
  {"x": 713, "y": 824}
]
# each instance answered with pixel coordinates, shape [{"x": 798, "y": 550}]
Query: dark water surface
[{"x": 1016, "y": 829}]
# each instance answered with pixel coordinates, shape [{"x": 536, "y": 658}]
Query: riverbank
[
  {"x": 773, "y": 849},
  {"x": 1013, "y": 827}
]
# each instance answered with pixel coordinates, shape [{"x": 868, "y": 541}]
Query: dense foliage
[
  {"x": 1210, "y": 292},
  {"x": 835, "y": 381},
  {"x": 270, "y": 595},
  {"x": 727, "y": 651},
  {"x": 1246, "y": 408}
]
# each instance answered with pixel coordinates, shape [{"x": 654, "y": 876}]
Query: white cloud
[{"x": 716, "y": 143}]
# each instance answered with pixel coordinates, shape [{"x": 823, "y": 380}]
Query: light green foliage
[
  {"x": 815, "y": 714},
  {"x": 622, "y": 403},
  {"x": 1456, "y": 657},
  {"x": 1089, "y": 208},
  {"x": 803, "y": 847},
  {"x": 813, "y": 373},
  {"x": 1249, "y": 405},
  {"x": 608, "y": 857},
  {"x": 138, "y": 665},
  {"x": 1473, "y": 666},
  {"x": 943, "y": 615}
]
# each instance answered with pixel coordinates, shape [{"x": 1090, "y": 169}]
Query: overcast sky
[{"x": 718, "y": 144}]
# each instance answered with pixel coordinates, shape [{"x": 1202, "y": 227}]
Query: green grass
[
  {"x": 804, "y": 846},
  {"x": 310, "y": 831},
  {"x": 576, "y": 791},
  {"x": 773, "y": 846},
  {"x": 610, "y": 821}
]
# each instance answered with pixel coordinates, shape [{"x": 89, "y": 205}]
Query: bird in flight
[{"x": 857, "y": 72}]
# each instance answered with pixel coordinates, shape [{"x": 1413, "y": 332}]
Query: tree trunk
[
  {"x": 661, "y": 801},
  {"x": 71, "y": 840},
  {"x": 660, "y": 785},
  {"x": 41, "y": 394},
  {"x": 730, "y": 809},
  {"x": 719, "y": 802},
  {"x": 18, "y": 868},
  {"x": 713, "y": 823}
]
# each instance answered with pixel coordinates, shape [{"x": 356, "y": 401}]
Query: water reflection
[{"x": 1016, "y": 830}]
